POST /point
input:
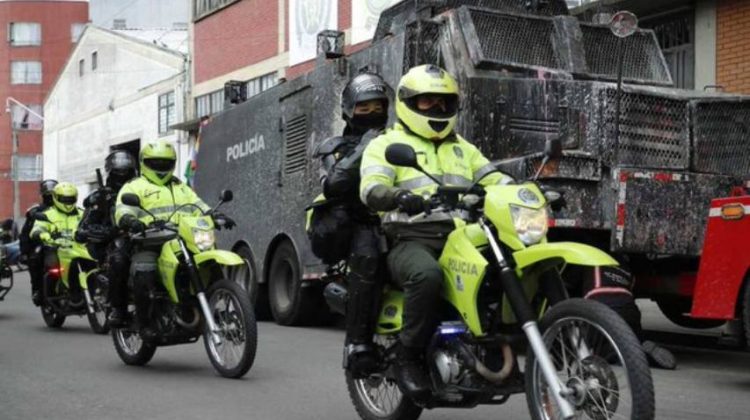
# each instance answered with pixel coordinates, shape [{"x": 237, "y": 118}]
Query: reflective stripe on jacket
[
  {"x": 57, "y": 222},
  {"x": 157, "y": 199},
  {"x": 454, "y": 161}
]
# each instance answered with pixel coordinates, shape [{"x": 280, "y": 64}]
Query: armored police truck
[{"x": 638, "y": 182}]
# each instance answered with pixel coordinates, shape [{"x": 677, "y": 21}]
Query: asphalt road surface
[{"x": 73, "y": 374}]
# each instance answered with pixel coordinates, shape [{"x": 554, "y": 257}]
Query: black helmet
[
  {"x": 364, "y": 87},
  {"x": 46, "y": 187},
  {"x": 121, "y": 164}
]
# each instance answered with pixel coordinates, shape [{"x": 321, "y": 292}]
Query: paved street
[{"x": 74, "y": 374}]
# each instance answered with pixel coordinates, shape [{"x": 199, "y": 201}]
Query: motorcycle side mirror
[
  {"x": 226, "y": 196},
  {"x": 131, "y": 200},
  {"x": 553, "y": 148},
  {"x": 400, "y": 154}
]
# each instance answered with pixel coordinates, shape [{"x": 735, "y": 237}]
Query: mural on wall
[
  {"x": 365, "y": 14},
  {"x": 306, "y": 19}
]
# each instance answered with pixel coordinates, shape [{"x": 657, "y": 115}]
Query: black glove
[
  {"x": 410, "y": 203},
  {"x": 223, "y": 220},
  {"x": 132, "y": 225}
]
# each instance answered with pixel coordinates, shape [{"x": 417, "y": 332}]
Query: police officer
[
  {"x": 160, "y": 192},
  {"x": 28, "y": 246},
  {"x": 427, "y": 108},
  {"x": 364, "y": 106},
  {"x": 98, "y": 230},
  {"x": 61, "y": 221}
]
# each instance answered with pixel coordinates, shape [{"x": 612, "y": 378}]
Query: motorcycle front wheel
[
  {"x": 51, "y": 316},
  {"x": 233, "y": 314},
  {"x": 598, "y": 358},
  {"x": 377, "y": 397},
  {"x": 97, "y": 318},
  {"x": 131, "y": 348}
]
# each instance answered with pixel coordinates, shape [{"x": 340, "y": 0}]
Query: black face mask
[
  {"x": 47, "y": 200},
  {"x": 360, "y": 124}
]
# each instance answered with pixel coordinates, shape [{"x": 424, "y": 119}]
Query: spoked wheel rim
[
  {"x": 230, "y": 321},
  {"x": 591, "y": 365},
  {"x": 99, "y": 311},
  {"x": 130, "y": 341},
  {"x": 380, "y": 394}
]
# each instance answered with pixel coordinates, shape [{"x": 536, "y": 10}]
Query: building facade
[
  {"x": 260, "y": 42},
  {"x": 140, "y": 14},
  {"x": 117, "y": 90},
  {"x": 37, "y": 38}
]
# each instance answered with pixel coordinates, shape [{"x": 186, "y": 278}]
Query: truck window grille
[
  {"x": 653, "y": 130},
  {"x": 295, "y": 138},
  {"x": 643, "y": 60},
  {"x": 722, "y": 138},
  {"x": 505, "y": 39},
  {"x": 422, "y": 48}
]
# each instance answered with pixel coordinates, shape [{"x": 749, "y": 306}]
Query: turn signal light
[
  {"x": 55, "y": 271},
  {"x": 734, "y": 211}
]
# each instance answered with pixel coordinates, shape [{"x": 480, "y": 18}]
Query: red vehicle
[{"x": 719, "y": 290}]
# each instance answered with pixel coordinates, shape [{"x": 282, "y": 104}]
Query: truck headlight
[
  {"x": 531, "y": 224},
  {"x": 204, "y": 239}
]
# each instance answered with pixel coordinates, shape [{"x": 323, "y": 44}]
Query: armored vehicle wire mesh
[
  {"x": 422, "y": 44},
  {"x": 643, "y": 60},
  {"x": 510, "y": 39},
  {"x": 654, "y": 130},
  {"x": 393, "y": 19},
  {"x": 722, "y": 138}
]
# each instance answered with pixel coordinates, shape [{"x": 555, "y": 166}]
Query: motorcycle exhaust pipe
[
  {"x": 336, "y": 296},
  {"x": 495, "y": 377},
  {"x": 189, "y": 325}
]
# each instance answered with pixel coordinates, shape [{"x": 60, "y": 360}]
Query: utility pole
[{"x": 14, "y": 154}]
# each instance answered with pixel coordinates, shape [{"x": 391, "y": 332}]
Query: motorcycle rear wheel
[
  {"x": 234, "y": 316},
  {"x": 131, "y": 348},
  {"x": 597, "y": 356},
  {"x": 377, "y": 397}
]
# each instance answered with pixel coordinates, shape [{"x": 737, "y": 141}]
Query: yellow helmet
[
  {"x": 427, "y": 102},
  {"x": 158, "y": 159},
  {"x": 65, "y": 197}
]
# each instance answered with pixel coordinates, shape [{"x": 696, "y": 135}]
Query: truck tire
[
  {"x": 291, "y": 304},
  {"x": 674, "y": 310},
  {"x": 745, "y": 311},
  {"x": 256, "y": 291}
]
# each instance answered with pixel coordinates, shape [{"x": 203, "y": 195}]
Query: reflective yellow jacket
[
  {"x": 454, "y": 161},
  {"x": 57, "y": 223},
  {"x": 157, "y": 199}
]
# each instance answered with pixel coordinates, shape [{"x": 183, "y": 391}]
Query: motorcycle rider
[
  {"x": 29, "y": 253},
  {"x": 364, "y": 106},
  {"x": 61, "y": 222},
  {"x": 160, "y": 193},
  {"x": 104, "y": 239},
  {"x": 427, "y": 109}
]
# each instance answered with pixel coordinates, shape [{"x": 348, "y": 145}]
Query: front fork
[
  {"x": 195, "y": 278},
  {"x": 524, "y": 313}
]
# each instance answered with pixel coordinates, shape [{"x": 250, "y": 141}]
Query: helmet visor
[
  {"x": 67, "y": 199},
  {"x": 434, "y": 105},
  {"x": 160, "y": 165}
]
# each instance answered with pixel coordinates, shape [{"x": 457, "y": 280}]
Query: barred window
[
  {"x": 23, "y": 34},
  {"x": 261, "y": 83},
  {"x": 166, "y": 112},
  {"x": 27, "y": 167},
  {"x": 23, "y": 119},
  {"x": 202, "y": 8}
]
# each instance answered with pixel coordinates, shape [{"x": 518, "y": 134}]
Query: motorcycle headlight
[
  {"x": 531, "y": 224},
  {"x": 204, "y": 239}
]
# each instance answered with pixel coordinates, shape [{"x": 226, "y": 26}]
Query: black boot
[
  {"x": 658, "y": 356},
  {"x": 36, "y": 298},
  {"x": 361, "y": 357},
  {"x": 118, "y": 317},
  {"x": 411, "y": 374}
]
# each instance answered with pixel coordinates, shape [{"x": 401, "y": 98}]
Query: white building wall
[
  {"x": 114, "y": 104},
  {"x": 140, "y": 13}
]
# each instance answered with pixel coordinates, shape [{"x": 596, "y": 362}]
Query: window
[
  {"x": 27, "y": 167},
  {"x": 94, "y": 60},
  {"x": 23, "y": 119},
  {"x": 76, "y": 30},
  {"x": 23, "y": 34},
  {"x": 259, "y": 84},
  {"x": 81, "y": 66},
  {"x": 166, "y": 112},
  {"x": 203, "y": 8},
  {"x": 209, "y": 103},
  {"x": 25, "y": 72}
]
